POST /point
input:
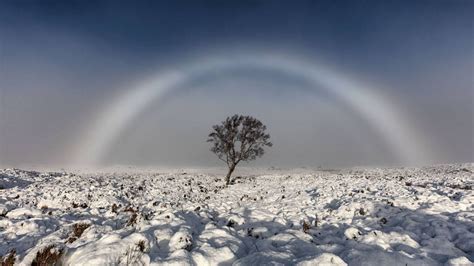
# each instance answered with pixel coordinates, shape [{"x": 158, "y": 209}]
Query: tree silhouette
[{"x": 238, "y": 138}]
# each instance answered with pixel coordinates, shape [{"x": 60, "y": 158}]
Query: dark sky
[{"x": 61, "y": 62}]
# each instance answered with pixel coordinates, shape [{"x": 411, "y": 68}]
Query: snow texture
[{"x": 374, "y": 216}]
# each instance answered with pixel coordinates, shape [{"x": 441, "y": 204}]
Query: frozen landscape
[
  {"x": 378, "y": 93},
  {"x": 132, "y": 216}
]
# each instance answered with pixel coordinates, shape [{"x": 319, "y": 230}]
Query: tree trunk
[{"x": 227, "y": 177}]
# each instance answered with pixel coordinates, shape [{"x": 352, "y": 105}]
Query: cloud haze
[{"x": 63, "y": 63}]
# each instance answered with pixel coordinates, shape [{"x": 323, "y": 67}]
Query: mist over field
[
  {"x": 64, "y": 64},
  {"x": 251, "y": 132}
]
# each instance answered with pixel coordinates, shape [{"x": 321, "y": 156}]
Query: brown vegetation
[
  {"x": 48, "y": 256},
  {"x": 133, "y": 219},
  {"x": 306, "y": 227},
  {"x": 8, "y": 259},
  {"x": 77, "y": 230}
]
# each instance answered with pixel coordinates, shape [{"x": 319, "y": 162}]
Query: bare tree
[{"x": 238, "y": 138}]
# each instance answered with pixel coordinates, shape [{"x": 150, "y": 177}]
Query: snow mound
[{"x": 374, "y": 216}]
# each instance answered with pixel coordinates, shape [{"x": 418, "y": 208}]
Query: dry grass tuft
[
  {"x": 44, "y": 209},
  {"x": 133, "y": 219},
  {"x": 48, "y": 256},
  {"x": 141, "y": 245},
  {"x": 115, "y": 208},
  {"x": 306, "y": 227},
  {"x": 9, "y": 258},
  {"x": 77, "y": 230}
]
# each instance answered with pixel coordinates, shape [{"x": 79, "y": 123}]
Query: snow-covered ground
[{"x": 125, "y": 216}]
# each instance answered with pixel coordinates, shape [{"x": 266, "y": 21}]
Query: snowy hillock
[{"x": 373, "y": 216}]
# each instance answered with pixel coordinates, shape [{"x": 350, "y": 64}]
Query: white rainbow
[{"x": 376, "y": 109}]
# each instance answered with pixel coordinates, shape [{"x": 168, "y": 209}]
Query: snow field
[{"x": 414, "y": 216}]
